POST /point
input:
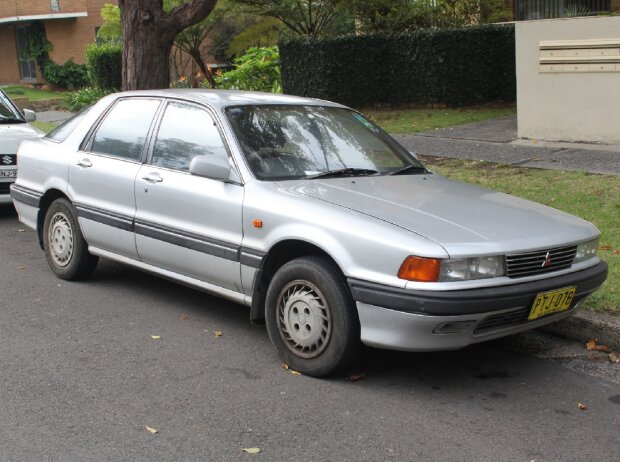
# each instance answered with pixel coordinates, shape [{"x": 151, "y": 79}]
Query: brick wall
[
  {"x": 9, "y": 70},
  {"x": 9, "y": 8},
  {"x": 70, "y": 37}
]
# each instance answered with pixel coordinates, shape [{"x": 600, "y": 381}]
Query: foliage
[
  {"x": 456, "y": 67},
  {"x": 301, "y": 17},
  {"x": 33, "y": 94},
  {"x": 257, "y": 70},
  {"x": 79, "y": 99},
  {"x": 111, "y": 29},
  {"x": 37, "y": 45},
  {"x": 68, "y": 75},
  {"x": 105, "y": 62},
  {"x": 573, "y": 10},
  {"x": 410, "y": 15},
  {"x": 262, "y": 32}
]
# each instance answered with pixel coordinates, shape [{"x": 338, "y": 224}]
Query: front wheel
[
  {"x": 311, "y": 318},
  {"x": 65, "y": 247}
]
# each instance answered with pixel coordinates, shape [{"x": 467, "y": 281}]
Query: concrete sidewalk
[
  {"x": 496, "y": 141},
  {"x": 53, "y": 116}
]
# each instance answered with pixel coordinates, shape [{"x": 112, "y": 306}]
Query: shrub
[
  {"x": 455, "y": 67},
  {"x": 68, "y": 75},
  {"x": 105, "y": 65},
  {"x": 79, "y": 99},
  {"x": 257, "y": 70}
]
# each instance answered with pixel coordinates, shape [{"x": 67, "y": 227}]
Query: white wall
[{"x": 580, "y": 106}]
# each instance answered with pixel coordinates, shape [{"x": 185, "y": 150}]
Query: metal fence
[{"x": 547, "y": 9}]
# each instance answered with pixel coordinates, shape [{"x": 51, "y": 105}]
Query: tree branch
[{"x": 188, "y": 14}]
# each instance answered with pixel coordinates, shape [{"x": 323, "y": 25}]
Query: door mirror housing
[
  {"x": 30, "y": 115},
  {"x": 213, "y": 167}
]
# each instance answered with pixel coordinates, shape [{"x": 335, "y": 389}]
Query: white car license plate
[{"x": 8, "y": 173}]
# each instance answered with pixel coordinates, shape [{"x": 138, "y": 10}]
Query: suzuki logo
[
  {"x": 7, "y": 160},
  {"x": 547, "y": 262}
]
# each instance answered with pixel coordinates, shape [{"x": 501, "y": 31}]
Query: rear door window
[{"x": 125, "y": 128}]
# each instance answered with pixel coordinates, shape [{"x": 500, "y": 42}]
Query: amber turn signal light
[
  {"x": 420, "y": 269},
  {"x": 257, "y": 223}
]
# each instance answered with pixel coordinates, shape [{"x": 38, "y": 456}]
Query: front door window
[{"x": 27, "y": 69}]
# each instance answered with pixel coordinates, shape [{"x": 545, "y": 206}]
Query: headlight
[
  {"x": 463, "y": 269},
  {"x": 586, "y": 250},
  {"x": 435, "y": 270}
]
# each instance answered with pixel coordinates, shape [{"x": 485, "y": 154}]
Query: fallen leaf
[
  {"x": 217, "y": 333},
  {"x": 21, "y": 267},
  {"x": 251, "y": 450},
  {"x": 294, "y": 372},
  {"x": 581, "y": 406},
  {"x": 592, "y": 345},
  {"x": 356, "y": 377},
  {"x": 156, "y": 337},
  {"x": 605, "y": 247},
  {"x": 21, "y": 230},
  {"x": 184, "y": 317},
  {"x": 151, "y": 430},
  {"x": 616, "y": 252},
  {"x": 614, "y": 358},
  {"x": 284, "y": 366}
]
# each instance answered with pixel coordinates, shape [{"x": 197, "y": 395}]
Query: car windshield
[
  {"x": 283, "y": 142},
  {"x": 8, "y": 111}
]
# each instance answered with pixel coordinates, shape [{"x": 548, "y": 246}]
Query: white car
[
  {"x": 14, "y": 128},
  {"x": 305, "y": 211}
]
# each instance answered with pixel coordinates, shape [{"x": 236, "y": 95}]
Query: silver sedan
[{"x": 304, "y": 210}]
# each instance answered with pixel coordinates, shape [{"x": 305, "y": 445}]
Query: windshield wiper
[
  {"x": 11, "y": 120},
  {"x": 407, "y": 169},
  {"x": 350, "y": 171}
]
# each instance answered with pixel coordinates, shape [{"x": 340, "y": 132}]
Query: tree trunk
[
  {"x": 197, "y": 57},
  {"x": 149, "y": 33}
]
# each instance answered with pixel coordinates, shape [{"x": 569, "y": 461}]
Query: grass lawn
[
  {"x": 33, "y": 94},
  {"x": 45, "y": 126},
  {"x": 595, "y": 198},
  {"x": 423, "y": 119}
]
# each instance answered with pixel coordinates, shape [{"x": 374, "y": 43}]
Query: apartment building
[{"x": 70, "y": 25}]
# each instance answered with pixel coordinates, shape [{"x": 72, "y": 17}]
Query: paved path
[
  {"x": 495, "y": 141},
  {"x": 53, "y": 116}
]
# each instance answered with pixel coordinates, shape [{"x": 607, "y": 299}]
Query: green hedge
[
  {"x": 69, "y": 75},
  {"x": 455, "y": 67},
  {"x": 105, "y": 65}
]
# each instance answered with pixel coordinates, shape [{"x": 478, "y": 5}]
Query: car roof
[{"x": 224, "y": 98}]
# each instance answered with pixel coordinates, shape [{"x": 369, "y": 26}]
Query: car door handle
[
  {"x": 85, "y": 163},
  {"x": 153, "y": 178}
]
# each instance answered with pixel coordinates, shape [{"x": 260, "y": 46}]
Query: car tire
[
  {"x": 65, "y": 248},
  {"x": 311, "y": 318}
]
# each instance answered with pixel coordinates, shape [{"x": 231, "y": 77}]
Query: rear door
[
  {"x": 101, "y": 177},
  {"x": 187, "y": 224}
]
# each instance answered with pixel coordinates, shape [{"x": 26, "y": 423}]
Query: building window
[{"x": 55, "y": 5}]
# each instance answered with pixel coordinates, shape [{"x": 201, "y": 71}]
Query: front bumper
[{"x": 413, "y": 320}]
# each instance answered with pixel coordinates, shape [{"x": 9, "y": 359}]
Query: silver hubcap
[
  {"x": 304, "y": 319},
  {"x": 60, "y": 238}
]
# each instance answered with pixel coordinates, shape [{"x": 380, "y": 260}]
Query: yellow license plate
[{"x": 552, "y": 302}]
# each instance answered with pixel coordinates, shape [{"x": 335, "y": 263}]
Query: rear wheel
[
  {"x": 65, "y": 247},
  {"x": 311, "y": 318}
]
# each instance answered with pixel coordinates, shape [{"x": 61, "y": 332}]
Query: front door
[
  {"x": 27, "y": 67},
  {"x": 187, "y": 224}
]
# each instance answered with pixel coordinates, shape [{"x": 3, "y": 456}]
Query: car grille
[
  {"x": 5, "y": 187},
  {"x": 540, "y": 261},
  {"x": 502, "y": 320}
]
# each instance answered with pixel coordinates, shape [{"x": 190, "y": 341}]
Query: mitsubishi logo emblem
[
  {"x": 547, "y": 262},
  {"x": 6, "y": 160}
]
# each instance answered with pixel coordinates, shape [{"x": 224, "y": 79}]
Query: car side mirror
[
  {"x": 213, "y": 167},
  {"x": 30, "y": 115}
]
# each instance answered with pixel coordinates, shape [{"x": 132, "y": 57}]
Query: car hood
[
  {"x": 11, "y": 136},
  {"x": 462, "y": 218}
]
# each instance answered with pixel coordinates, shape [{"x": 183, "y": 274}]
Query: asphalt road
[{"x": 81, "y": 379}]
